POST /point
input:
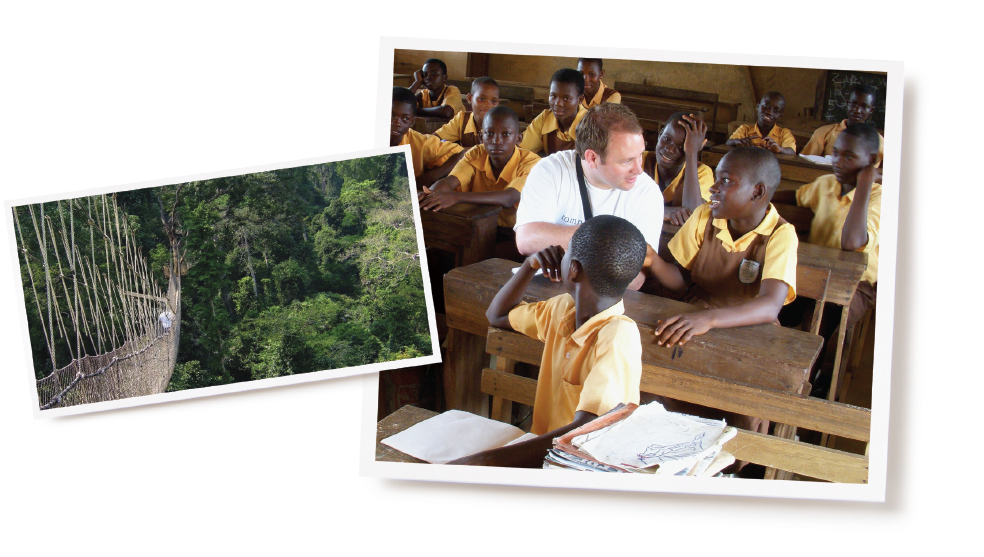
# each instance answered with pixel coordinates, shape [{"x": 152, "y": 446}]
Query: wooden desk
[
  {"x": 762, "y": 356},
  {"x": 428, "y": 124},
  {"x": 466, "y": 230},
  {"x": 398, "y": 421},
  {"x": 795, "y": 169}
]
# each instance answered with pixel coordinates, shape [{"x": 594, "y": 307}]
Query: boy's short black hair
[
  {"x": 502, "y": 112},
  {"x": 676, "y": 118},
  {"x": 860, "y": 89},
  {"x": 444, "y": 67},
  {"x": 481, "y": 81},
  {"x": 610, "y": 250},
  {"x": 866, "y": 134},
  {"x": 591, "y": 60},
  {"x": 567, "y": 75},
  {"x": 404, "y": 95},
  {"x": 774, "y": 94},
  {"x": 764, "y": 164}
]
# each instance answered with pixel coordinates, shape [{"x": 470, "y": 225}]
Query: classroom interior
[{"x": 465, "y": 274}]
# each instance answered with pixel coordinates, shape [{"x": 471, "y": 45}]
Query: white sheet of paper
[
  {"x": 819, "y": 159},
  {"x": 652, "y": 436},
  {"x": 538, "y": 271},
  {"x": 452, "y": 435}
]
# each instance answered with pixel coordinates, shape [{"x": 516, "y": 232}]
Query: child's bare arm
[
  {"x": 512, "y": 292},
  {"x": 762, "y": 309},
  {"x": 528, "y": 454},
  {"x": 437, "y": 200},
  {"x": 436, "y": 173},
  {"x": 854, "y": 235},
  {"x": 696, "y": 132},
  {"x": 668, "y": 274},
  {"x": 418, "y": 81},
  {"x": 443, "y": 111}
]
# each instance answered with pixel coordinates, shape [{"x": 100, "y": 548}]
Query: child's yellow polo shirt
[
  {"x": 458, "y": 127},
  {"x": 780, "y": 251},
  {"x": 822, "y": 141},
  {"x": 782, "y": 136},
  {"x": 474, "y": 171},
  {"x": 593, "y": 368},
  {"x": 830, "y": 208},
  {"x": 428, "y": 151},
  {"x": 612, "y": 95},
  {"x": 450, "y": 96},
  {"x": 705, "y": 177},
  {"x": 546, "y": 123}
]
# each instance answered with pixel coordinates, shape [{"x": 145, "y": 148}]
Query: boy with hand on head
[
  {"x": 465, "y": 128},
  {"x": 432, "y": 158},
  {"x": 847, "y": 213},
  {"x": 554, "y": 129},
  {"x": 492, "y": 173},
  {"x": 595, "y": 91},
  {"x": 766, "y": 133},
  {"x": 670, "y": 165},
  {"x": 592, "y": 358},
  {"x": 740, "y": 253},
  {"x": 435, "y": 98},
  {"x": 860, "y": 107}
]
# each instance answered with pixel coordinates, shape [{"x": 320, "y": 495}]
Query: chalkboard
[{"x": 836, "y": 92}]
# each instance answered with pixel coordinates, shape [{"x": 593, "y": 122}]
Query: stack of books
[{"x": 644, "y": 439}]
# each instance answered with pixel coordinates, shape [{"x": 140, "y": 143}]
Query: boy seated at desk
[
  {"x": 740, "y": 258},
  {"x": 678, "y": 148},
  {"x": 492, "y": 173},
  {"x": 465, "y": 128},
  {"x": 592, "y": 358},
  {"x": 435, "y": 98},
  {"x": 595, "y": 91},
  {"x": 846, "y": 215},
  {"x": 860, "y": 107},
  {"x": 554, "y": 129},
  {"x": 432, "y": 158},
  {"x": 766, "y": 132}
]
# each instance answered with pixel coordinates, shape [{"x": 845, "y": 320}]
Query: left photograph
[{"x": 223, "y": 283}]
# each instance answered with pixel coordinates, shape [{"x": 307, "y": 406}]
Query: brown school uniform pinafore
[
  {"x": 719, "y": 278},
  {"x": 554, "y": 144},
  {"x": 470, "y": 139}
]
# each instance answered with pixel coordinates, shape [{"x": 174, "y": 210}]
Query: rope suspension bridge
[{"x": 110, "y": 329}]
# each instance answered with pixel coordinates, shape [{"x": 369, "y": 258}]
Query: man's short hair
[
  {"x": 595, "y": 130},
  {"x": 502, "y": 112},
  {"x": 482, "y": 81},
  {"x": 444, "y": 67},
  {"x": 860, "y": 89},
  {"x": 590, "y": 61},
  {"x": 866, "y": 134},
  {"x": 572, "y": 77},
  {"x": 763, "y": 164},
  {"x": 610, "y": 250},
  {"x": 404, "y": 95}
]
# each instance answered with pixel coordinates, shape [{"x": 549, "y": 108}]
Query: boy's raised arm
[
  {"x": 854, "y": 235},
  {"x": 696, "y": 132},
  {"x": 512, "y": 293}
]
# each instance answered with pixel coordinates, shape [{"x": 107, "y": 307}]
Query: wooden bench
[
  {"x": 719, "y": 112},
  {"x": 509, "y": 347}
]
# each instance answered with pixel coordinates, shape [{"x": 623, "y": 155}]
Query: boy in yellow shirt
[
  {"x": 846, "y": 215},
  {"x": 435, "y": 98},
  {"x": 592, "y": 359},
  {"x": 465, "y": 128},
  {"x": 741, "y": 258},
  {"x": 595, "y": 91},
  {"x": 432, "y": 158},
  {"x": 860, "y": 107},
  {"x": 554, "y": 129},
  {"x": 766, "y": 133},
  {"x": 677, "y": 149},
  {"x": 492, "y": 173}
]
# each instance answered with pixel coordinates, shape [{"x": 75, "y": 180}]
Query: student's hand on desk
[
  {"x": 696, "y": 132},
  {"x": 681, "y": 328},
  {"x": 549, "y": 260},
  {"x": 771, "y": 145},
  {"x": 436, "y": 200},
  {"x": 678, "y": 216}
]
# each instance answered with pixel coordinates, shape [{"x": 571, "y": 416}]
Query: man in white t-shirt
[{"x": 609, "y": 145}]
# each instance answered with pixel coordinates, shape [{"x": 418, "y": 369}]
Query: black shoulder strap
[{"x": 585, "y": 202}]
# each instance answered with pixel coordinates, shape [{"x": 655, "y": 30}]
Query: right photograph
[{"x": 647, "y": 267}]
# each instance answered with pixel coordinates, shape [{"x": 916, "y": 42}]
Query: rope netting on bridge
[{"x": 99, "y": 321}]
